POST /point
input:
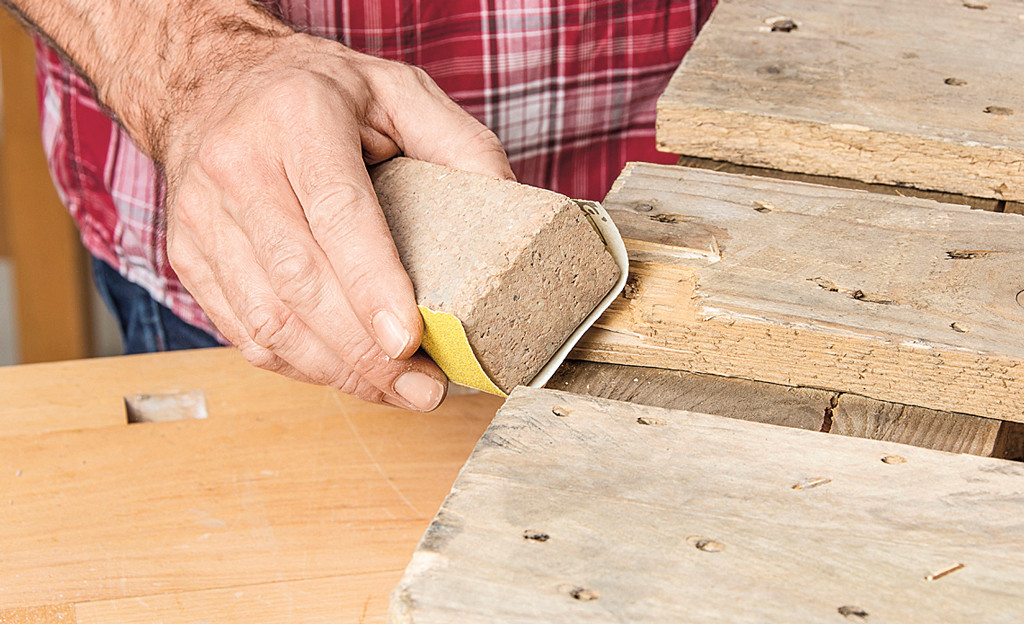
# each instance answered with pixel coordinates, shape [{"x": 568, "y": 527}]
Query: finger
[
  {"x": 450, "y": 136},
  {"x": 354, "y": 363},
  {"x": 330, "y": 182},
  {"x": 198, "y": 279}
]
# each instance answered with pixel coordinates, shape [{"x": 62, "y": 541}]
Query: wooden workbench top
[{"x": 288, "y": 503}]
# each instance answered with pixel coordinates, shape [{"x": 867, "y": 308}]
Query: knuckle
[
  {"x": 220, "y": 153},
  {"x": 270, "y": 325},
  {"x": 260, "y": 357},
  {"x": 336, "y": 207},
  {"x": 295, "y": 274}
]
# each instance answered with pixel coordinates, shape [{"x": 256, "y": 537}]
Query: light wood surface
[
  {"x": 288, "y": 501},
  {"x": 578, "y": 509},
  {"x": 858, "y": 90},
  {"x": 51, "y": 272},
  {"x": 897, "y": 299},
  {"x": 805, "y": 408}
]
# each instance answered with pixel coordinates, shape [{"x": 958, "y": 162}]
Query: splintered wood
[
  {"x": 922, "y": 93},
  {"x": 700, "y": 518},
  {"x": 894, "y": 298}
]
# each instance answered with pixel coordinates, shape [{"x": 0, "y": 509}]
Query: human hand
[{"x": 273, "y": 224}]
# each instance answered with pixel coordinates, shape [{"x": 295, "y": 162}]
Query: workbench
[{"x": 287, "y": 503}]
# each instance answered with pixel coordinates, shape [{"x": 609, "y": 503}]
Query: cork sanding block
[{"x": 507, "y": 276}]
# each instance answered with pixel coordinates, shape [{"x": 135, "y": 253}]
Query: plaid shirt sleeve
[{"x": 569, "y": 86}]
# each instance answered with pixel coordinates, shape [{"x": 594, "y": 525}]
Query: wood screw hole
[
  {"x": 955, "y": 82},
  {"x": 893, "y": 459},
  {"x": 583, "y": 594},
  {"x": 648, "y": 420},
  {"x": 782, "y": 24},
  {"x": 535, "y": 536},
  {"x": 643, "y": 207},
  {"x": 998, "y": 110},
  {"x": 705, "y": 544},
  {"x": 849, "y": 611},
  {"x": 562, "y": 412}
]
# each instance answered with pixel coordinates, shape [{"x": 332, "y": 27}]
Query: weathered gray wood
[
  {"x": 978, "y": 203},
  {"x": 860, "y": 89},
  {"x": 1014, "y": 208},
  {"x": 591, "y": 516},
  {"x": 895, "y": 298},
  {"x": 804, "y": 408},
  {"x": 773, "y": 404}
]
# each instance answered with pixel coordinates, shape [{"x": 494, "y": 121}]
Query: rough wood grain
[
  {"x": 49, "y": 614},
  {"x": 898, "y": 299},
  {"x": 978, "y": 203},
  {"x": 860, "y": 89},
  {"x": 804, "y": 408},
  {"x": 594, "y": 516},
  {"x": 283, "y": 482}
]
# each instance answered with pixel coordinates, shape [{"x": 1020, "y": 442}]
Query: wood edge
[{"x": 736, "y": 136}]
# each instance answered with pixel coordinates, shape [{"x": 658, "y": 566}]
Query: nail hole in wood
[
  {"x": 650, "y": 420},
  {"x": 583, "y": 594},
  {"x": 959, "y": 328},
  {"x": 893, "y": 459},
  {"x": 967, "y": 254},
  {"x": 955, "y": 82},
  {"x": 643, "y": 207},
  {"x": 850, "y": 611},
  {"x": 535, "y": 536},
  {"x": 998, "y": 110},
  {"x": 782, "y": 24},
  {"x": 563, "y": 412},
  {"x": 705, "y": 544}
]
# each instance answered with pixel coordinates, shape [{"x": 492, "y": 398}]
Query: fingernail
[
  {"x": 422, "y": 391},
  {"x": 390, "y": 334}
]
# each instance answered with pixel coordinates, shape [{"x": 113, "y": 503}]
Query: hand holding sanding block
[{"x": 507, "y": 276}]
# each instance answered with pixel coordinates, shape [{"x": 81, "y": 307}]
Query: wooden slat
[
  {"x": 804, "y": 408},
  {"x": 858, "y": 90},
  {"x": 898, "y": 299},
  {"x": 358, "y": 599},
  {"x": 283, "y": 482},
  {"x": 579, "y": 509},
  {"x": 977, "y": 203},
  {"x": 1014, "y": 208},
  {"x": 50, "y": 268}
]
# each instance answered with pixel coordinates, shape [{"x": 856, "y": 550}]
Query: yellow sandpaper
[{"x": 445, "y": 341}]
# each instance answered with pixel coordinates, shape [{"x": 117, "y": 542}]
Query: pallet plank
[
  {"x": 580, "y": 509},
  {"x": 863, "y": 89},
  {"x": 894, "y": 298}
]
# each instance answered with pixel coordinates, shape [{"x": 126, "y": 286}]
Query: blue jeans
[{"x": 146, "y": 326}]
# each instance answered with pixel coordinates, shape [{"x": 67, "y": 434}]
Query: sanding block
[{"x": 507, "y": 276}]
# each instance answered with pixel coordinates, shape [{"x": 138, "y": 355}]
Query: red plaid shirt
[{"x": 569, "y": 86}]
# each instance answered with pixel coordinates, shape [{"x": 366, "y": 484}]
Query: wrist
[{"x": 190, "y": 65}]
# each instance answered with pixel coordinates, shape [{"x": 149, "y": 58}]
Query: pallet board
[
  {"x": 805, "y": 408},
  {"x": 898, "y": 299},
  {"x": 576, "y": 509},
  {"x": 922, "y": 93}
]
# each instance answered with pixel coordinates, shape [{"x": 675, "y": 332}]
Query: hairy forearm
[{"x": 150, "y": 59}]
